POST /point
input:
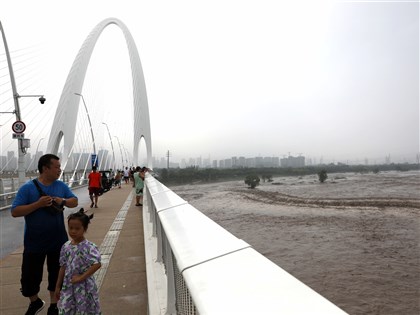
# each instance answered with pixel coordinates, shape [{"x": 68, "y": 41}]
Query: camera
[{"x": 42, "y": 100}]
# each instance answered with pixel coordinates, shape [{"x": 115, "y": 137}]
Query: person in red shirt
[{"x": 95, "y": 186}]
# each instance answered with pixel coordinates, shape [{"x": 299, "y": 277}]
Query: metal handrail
[{"x": 13, "y": 193}]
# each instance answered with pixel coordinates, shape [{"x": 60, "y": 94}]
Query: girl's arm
[
  {"x": 59, "y": 282},
  {"x": 92, "y": 269}
]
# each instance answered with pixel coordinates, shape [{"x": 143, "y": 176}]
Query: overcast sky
[{"x": 331, "y": 79}]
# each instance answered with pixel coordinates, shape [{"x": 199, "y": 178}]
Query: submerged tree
[
  {"x": 322, "y": 175},
  {"x": 252, "y": 180}
]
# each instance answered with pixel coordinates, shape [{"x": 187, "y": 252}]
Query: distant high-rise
[{"x": 292, "y": 161}]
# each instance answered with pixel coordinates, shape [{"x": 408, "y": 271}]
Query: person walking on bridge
[
  {"x": 41, "y": 202},
  {"x": 95, "y": 186},
  {"x": 76, "y": 289},
  {"x": 126, "y": 175},
  {"x": 139, "y": 185}
]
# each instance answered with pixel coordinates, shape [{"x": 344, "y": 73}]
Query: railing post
[
  {"x": 13, "y": 184},
  {"x": 170, "y": 276},
  {"x": 2, "y": 189}
]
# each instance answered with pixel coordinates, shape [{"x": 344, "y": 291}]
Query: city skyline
[{"x": 8, "y": 163}]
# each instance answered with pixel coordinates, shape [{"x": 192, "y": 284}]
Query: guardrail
[
  {"x": 6, "y": 198},
  {"x": 7, "y": 192},
  {"x": 194, "y": 266}
]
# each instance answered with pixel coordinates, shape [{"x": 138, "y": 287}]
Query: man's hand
[
  {"x": 45, "y": 201},
  {"x": 58, "y": 200}
]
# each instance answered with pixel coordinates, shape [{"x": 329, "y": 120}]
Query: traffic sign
[
  {"x": 94, "y": 160},
  {"x": 18, "y": 136},
  {"x": 18, "y": 126}
]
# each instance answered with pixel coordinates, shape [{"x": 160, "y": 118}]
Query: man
[
  {"x": 118, "y": 179},
  {"x": 45, "y": 231},
  {"x": 126, "y": 175},
  {"x": 95, "y": 186}
]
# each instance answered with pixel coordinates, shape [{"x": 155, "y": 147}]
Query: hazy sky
[{"x": 331, "y": 79}]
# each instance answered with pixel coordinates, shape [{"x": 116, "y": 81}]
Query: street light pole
[
  {"x": 122, "y": 159},
  {"x": 90, "y": 125},
  {"x": 23, "y": 144},
  {"x": 126, "y": 154},
  {"x": 112, "y": 146}
]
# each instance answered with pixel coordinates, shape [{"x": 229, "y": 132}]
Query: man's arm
[
  {"x": 72, "y": 202},
  {"x": 67, "y": 199},
  {"x": 20, "y": 211},
  {"x": 69, "y": 203}
]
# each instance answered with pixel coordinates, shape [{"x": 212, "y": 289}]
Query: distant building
[
  {"x": 11, "y": 160},
  {"x": 250, "y": 162},
  {"x": 268, "y": 162},
  {"x": 241, "y": 161},
  {"x": 206, "y": 163},
  {"x": 292, "y": 161},
  {"x": 222, "y": 164},
  {"x": 3, "y": 161},
  {"x": 234, "y": 162},
  {"x": 259, "y": 161}
]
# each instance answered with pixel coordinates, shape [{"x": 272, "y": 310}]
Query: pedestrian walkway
[{"x": 117, "y": 228}]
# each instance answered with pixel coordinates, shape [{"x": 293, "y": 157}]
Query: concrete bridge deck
[{"x": 122, "y": 281}]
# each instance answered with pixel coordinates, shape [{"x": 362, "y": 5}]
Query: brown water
[{"x": 353, "y": 239}]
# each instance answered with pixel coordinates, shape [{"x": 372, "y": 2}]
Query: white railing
[
  {"x": 194, "y": 266},
  {"x": 8, "y": 190}
]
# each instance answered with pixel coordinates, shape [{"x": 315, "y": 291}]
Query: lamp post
[
  {"x": 23, "y": 144},
  {"x": 122, "y": 159},
  {"x": 36, "y": 152},
  {"x": 112, "y": 146},
  {"x": 90, "y": 125},
  {"x": 126, "y": 154}
]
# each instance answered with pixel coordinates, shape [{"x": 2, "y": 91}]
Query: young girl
[{"x": 76, "y": 289}]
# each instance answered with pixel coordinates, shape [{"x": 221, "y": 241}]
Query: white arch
[{"x": 64, "y": 124}]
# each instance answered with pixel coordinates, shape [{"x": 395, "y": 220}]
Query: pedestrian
[
  {"x": 126, "y": 175},
  {"x": 138, "y": 184},
  {"x": 95, "y": 186},
  {"x": 132, "y": 171},
  {"x": 118, "y": 179},
  {"x": 41, "y": 202},
  {"x": 76, "y": 289}
]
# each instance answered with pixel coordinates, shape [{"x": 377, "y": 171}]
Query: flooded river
[{"x": 354, "y": 239}]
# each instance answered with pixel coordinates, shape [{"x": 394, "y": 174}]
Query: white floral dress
[{"x": 81, "y": 298}]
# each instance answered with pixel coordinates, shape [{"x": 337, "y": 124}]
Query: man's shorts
[
  {"x": 94, "y": 191},
  {"x": 32, "y": 269}
]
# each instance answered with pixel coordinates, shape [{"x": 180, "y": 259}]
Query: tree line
[{"x": 194, "y": 174}]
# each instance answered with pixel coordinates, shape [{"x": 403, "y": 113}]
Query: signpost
[
  {"x": 94, "y": 160},
  {"x": 18, "y": 136},
  {"x": 18, "y": 126}
]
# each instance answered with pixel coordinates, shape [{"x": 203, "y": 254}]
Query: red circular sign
[{"x": 18, "y": 126}]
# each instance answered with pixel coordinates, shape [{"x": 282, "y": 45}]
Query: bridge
[{"x": 166, "y": 257}]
